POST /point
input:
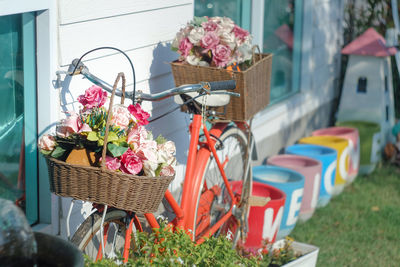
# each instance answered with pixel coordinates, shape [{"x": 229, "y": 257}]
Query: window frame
[{"x": 46, "y": 65}]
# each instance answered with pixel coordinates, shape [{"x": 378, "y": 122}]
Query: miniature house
[{"x": 367, "y": 93}]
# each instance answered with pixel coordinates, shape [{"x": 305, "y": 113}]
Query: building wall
[
  {"x": 143, "y": 30},
  {"x": 284, "y": 123}
]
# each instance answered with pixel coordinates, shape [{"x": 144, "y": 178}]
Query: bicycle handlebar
[
  {"x": 201, "y": 88},
  {"x": 222, "y": 85}
]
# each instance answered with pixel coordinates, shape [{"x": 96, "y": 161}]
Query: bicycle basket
[
  {"x": 253, "y": 84},
  {"x": 141, "y": 194}
]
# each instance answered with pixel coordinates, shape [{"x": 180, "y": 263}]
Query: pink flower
[
  {"x": 112, "y": 163},
  {"x": 167, "y": 171},
  {"x": 221, "y": 55},
  {"x": 210, "y": 40},
  {"x": 120, "y": 116},
  {"x": 131, "y": 163},
  {"x": 209, "y": 26},
  {"x": 147, "y": 150},
  {"x": 185, "y": 46},
  {"x": 72, "y": 124},
  {"x": 240, "y": 33},
  {"x": 136, "y": 136},
  {"x": 46, "y": 142},
  {"x": 140, "y": 115},
  {"x": 93, "y": 97}
]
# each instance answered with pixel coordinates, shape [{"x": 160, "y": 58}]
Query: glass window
[
  {"x": 282, "y": 31},
  {"x": 17, "y": 98},
  {"x": 238, "y": 10},
  {"x": 362, "y": 85}
]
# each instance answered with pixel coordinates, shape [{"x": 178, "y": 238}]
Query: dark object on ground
[{"x": 54, "y": 251}]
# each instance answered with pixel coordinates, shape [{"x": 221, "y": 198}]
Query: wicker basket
[
  {"x": 253, "y": 84},
  {"x": 141, "y": 194}
]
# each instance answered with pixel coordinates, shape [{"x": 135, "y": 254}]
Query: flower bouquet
[
  {"x": 216, "y": 42},
  {"x": 107, "y": 156},
  {"x": 215, "y": 48}
]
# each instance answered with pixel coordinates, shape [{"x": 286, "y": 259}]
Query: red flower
[
  {"x": 139, "y": 114},
  {"x": 131, "y": 163}
]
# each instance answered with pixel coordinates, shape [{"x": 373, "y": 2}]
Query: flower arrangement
[
  {"x": 214, "y": 41},
  {"x": 130, "y": 147}
]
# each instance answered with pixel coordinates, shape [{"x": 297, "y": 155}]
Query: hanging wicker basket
[
  {"x": 253, "y": 84},
  {"x": 141, "y": 194}
]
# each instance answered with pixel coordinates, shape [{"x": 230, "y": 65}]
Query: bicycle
[{"x": 217, "y": 158}]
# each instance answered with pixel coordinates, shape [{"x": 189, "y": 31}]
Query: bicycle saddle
[{"x": 213, "y": 100}]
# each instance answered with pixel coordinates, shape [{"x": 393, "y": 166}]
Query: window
[
  {"x": 18, "y": 153},
  {"x": 362, "y": 85},
  {"x": 238, "y": 10},
  {"x": 282, "y": 24},
  {"x": 386, "y": 84}
]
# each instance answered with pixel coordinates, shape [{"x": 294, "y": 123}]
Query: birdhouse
[{"x": 367, "y": 93}]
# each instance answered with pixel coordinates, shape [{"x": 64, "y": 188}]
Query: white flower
[
  {"x": 195, "y": 35},
  {"x": 227, "y": 24},
  {"x": 195, "y": 61},
  {"x": 243, "y": 53},
  {"x": 228, "y": 38},
  {"x": 149, "y": 168}
]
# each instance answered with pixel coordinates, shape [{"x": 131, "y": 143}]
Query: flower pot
[
  {"x": 370, "y": 143},
  {"x": 309, "y": 254},
  {"x": 341, "y": 146},
  {"x": 311, "y": 170},
  {"x": 264, "y": 220},
  {"x": 292, "y": 184},
  {"x": 327, "y": 156},
  {"x": 54, "y": 251},
  {"x": 82, "y": 157},
  {"x": 351, "y": 134}
]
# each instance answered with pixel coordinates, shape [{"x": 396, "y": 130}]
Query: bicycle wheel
[
  {"x": 213, "y": 201},
  {"x": 87, "y": 237}
]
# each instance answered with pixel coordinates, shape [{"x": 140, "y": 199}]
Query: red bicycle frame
[{"x": 196, "y": 163}]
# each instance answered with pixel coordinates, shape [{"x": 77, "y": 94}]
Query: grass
[{"x": 361, "y": 226}]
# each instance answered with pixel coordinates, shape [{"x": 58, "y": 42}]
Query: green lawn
[{"x": 361, "y": 226}]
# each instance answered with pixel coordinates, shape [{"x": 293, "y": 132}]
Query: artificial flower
[
  {"x": 46, "y": 142},
  {"x": 140, "y": 115},
  {"x": 93, "y": 97},
  {"x": 214, "y": 41}
]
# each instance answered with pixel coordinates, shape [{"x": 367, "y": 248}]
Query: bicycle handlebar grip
[{"x": 222, "y": 85}]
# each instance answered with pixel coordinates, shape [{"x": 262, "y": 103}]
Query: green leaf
[
  {"x": 197, "y": 21},
  {"x": 58, "y": 152},
  {"x": 92, "y": 136},
  {"x": 46, "y": 152},
  {"x": 160, "y": 139},
  {"x": 112, "y": 136},
  {"x": 115, "y": 150},
  {"x": 159, "y": 168}
]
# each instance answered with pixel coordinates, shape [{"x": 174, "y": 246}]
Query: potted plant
[{"x": 285, "y": 252}]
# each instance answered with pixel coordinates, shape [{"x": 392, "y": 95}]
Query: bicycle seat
[{"x": 213, "y": 100}]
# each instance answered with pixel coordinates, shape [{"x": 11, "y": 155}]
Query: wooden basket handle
[
  {"x": 109, "y": 116},
  {"x": 253, "y": 49}
]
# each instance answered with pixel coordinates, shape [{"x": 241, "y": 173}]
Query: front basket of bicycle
[
  {"x": 253, "y": 84},
  {"x": 141, "y": 194}
]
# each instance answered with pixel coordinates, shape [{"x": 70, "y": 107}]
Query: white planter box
[{"x": 309, "y": 252}]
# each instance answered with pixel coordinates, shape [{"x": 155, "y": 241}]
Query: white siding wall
[{"x": 144, "y": 29}]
